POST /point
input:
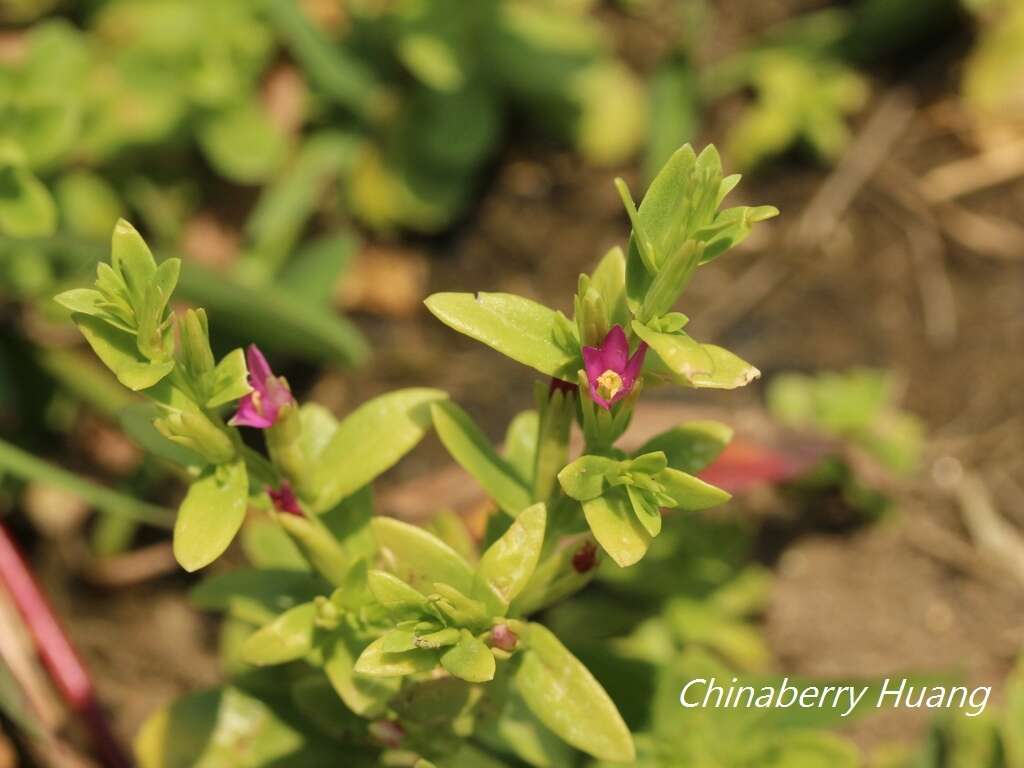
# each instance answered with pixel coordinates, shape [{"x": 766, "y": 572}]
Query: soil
[{"x": 891, "y": 284}]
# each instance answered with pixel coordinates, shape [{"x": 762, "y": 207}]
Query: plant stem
[
  {"x": 28, "y": 467},
  {"x": 57, "y": 653}
]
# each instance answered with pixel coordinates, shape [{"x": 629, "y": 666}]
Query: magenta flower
[
  {"x": 270, "y": 393},
  {"x": 611, "y": 372},
  {"x": 284, "y": 499}
]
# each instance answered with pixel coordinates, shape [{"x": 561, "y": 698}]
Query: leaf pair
[
  {"x": 442, "y": 608},
  {"x": 622, "y": 498},
  {"x": 124, "y": 317}
]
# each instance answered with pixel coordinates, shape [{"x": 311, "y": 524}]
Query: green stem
[{"x": 28, "y": 467}]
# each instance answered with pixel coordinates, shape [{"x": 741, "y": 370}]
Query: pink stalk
[{"x": 57, "y": 653}]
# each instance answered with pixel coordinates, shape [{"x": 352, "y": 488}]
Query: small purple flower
[
  {"x": 504, "y": 638},
  {"x": 284, "y": 499},
  {"x": 611, "y": 372},
  {"x": 270, "y": 393}
]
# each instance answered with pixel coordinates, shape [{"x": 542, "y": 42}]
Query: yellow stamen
[
  {"x": 257, "y": 401},
  {"x": 609, "y": 384}
]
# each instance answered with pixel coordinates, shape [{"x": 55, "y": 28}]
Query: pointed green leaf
[
  {"x": 646, "y": 509},
  {"x": 229, "y": 380},
  {"x": 419, "y": 558},
  {"x": 609, "y": 280},
  {"x": 132, "y": 259},
  {"x": 616, "y": 527},
  {"x": 683, "y": 358},
  {"x": 366, "y": 696},
  {"x": 375, "y": 662},
  {"x": 254, "y": 595},
  {"x": 469, "y": 446},
  {"x": 587, "y": 477},
  {"x": 520, "y": 446},
  {"x": 728, "y": 370},
  {"x": 210, "y": 515},
  {"x": 469, "y": 659},
  {"x": 563, "y": 694},
  {"x": 524, "y": 330},
  {"x": 369, "y": 441},
  {"x": 319, "y": 547},
  {"x": 689, "y": 492},
  {"x": 691, "y": 446},
  {"x": 117, "y": 350},
  {"x": 289, "y": 637},
  {"x": 508, "y": 563}
]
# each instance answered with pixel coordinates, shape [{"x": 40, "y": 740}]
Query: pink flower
[
  {"x": 284, "y": 499},
  {"x": 611, "y": 372},
  {"x": 270, "y": 393}
]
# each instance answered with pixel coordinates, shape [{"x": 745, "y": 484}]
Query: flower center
[
  {"x": 257, "y": 401},
  {"x": 609, "y": 384}
]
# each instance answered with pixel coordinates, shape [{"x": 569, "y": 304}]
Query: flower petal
[
  {"x": 635, "y": 365},
  {"x": 615, "y": 350},
  {"x": 259, "y": 368},
  {"x": 249, "y": 416},
  {"x": 593, "y": 362}
]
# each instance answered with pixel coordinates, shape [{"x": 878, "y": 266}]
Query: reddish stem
[{"x": 56, "y": 651}]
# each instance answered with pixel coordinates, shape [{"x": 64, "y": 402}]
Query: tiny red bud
[
  {"x": 585, "y": 558},
  {"x": 387, "y": 732},
  {"x": 284, "y": 499},
  {"x": 504, "y": 638}
]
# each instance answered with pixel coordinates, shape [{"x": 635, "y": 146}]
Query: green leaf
[
  {"x": 267, "y": 545},
  {"x": 419, "y": 558},
  {"x": 289, "y": 637},
  {"x": 226, "y": 728},
  {"x": 609, "y": 280},
  {"x": 210, "y": 515},
  {"x": 469, "y": 446},
  {"x": 117, "y": 350},
  {"x": 521, "y": 329},
  {"x": 279, "y": 320},
  {"x": 683, "y": 358},
  {"x": 691, "y": 446},
  {"x": 469, "y": 659},
  {"x": 229, "y": 380},
  {"x": 242, "y": 143},
  {"x": 375, "y": 662},
  {"x": 319, "y": 547},
  {"x": 563, "y": 694},
  {"x": 587, "y": 476},
  {"x": 400, "y": 599},
  {"x": 731, "y": 227},
  {"x": 366, "y": 696},
  {"x": 371, "y": 440},
  {"x": 131, "y": 258},
  {"x": 646, "y": 509},
  {"x": 689, "y": 492},
  {"x": 616, "y": 527},
  {"x": 729, "y": 371},
  {"x": 26, "y": 208},
  {"x": 508, "y": 563}
]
